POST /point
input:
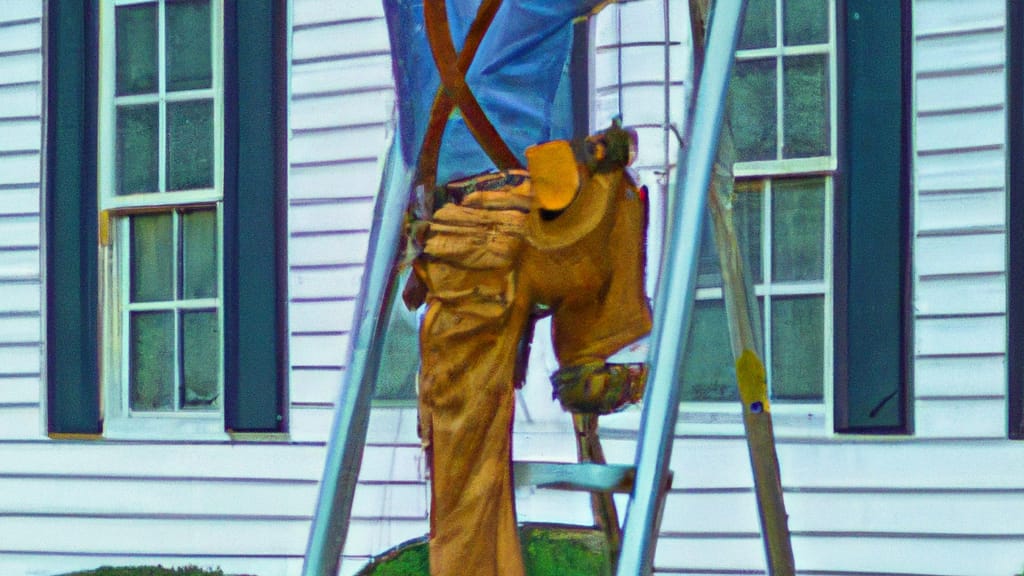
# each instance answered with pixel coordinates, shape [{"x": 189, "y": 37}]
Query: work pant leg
[{"x": 468, "y": 340}]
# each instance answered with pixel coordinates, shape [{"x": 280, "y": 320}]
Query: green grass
[
  {"x": 148, "y": 571},
  {"x": 547, "y": 551}
]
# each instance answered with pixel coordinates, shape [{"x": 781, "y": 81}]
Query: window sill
[
  {"x": 789, "y": 420},
  {"x": 184, "y": 428}
]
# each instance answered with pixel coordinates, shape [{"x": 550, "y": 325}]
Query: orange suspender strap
[{"x": 454, "y": 91}]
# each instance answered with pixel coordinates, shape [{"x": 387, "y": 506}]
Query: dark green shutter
[
  {"x": 72, "y": 374},
  {"x": 872, "y": 242},
  {"x": 1015, "y": 215},
  {"x": 254, "y": 249}
]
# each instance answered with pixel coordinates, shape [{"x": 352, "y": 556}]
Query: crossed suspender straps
[{"x": 454, "y": 91}]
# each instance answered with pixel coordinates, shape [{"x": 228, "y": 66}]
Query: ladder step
[{"x": 581, "y": 476}]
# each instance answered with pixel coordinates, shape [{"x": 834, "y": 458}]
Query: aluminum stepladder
[{"x": 673, "y": 311}]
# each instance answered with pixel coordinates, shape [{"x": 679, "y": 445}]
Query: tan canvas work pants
[{"x": 486, "y": 263}]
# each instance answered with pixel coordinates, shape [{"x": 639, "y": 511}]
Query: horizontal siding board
[
  {"x": 306, "y": 12},
  {"x": 977, "y": 129},
  {"x": 21, "y": 135},
  {"x": 366, "y": 72},
  {"x": 336, "y": 282},
  {"x": 21, "y": 68},
  {"x": 974, "y": 209},
  {"x": 960, "y": 376},
  {"x": 330, "y": 111},
  {"x": 19, "y": 264},
  {"x": 20, "y": 422},
  {"x": 966, "y": 335},
  {"x": 312, "y": 386},
  {"x": 718, "y": 553},
  {"x": 319, "y": 349},
  {"x": 961, "y": 418},
  {"x": 24, "y": 10},
  {"x": 20, "y": 358},
  {"x": 961, "y": 170},
  {"x": 20, "y": 297},
  {"x": 153, "y": 536},
  {"x": 251, "y": 461},
  {"x": 200, "y": 499},
  {"x": 345, "y": 180},
  {"x": 332, "y": 316},
  {"x": 20, "y": 390},
  {"x": 982, "y": 294},
  {"x": 907, "y": 554},
  {"x": 940, "y": 16},
  {"x": 322, "y": 42},
  {"x": 18, "y": 231},
  {"x": 641, "y": 64},
  {"x": 20, "y": 200},
  {"x": 21, "y": 101},
  {"x": 21, "y": 37},
  {"x": 18, "y": 168},
  {"x": 20, "y": 329},
  {"x": 964, "y": 90},
  {"x": 338, "y": 144},
  {"x": 333, "y": 216},
  {"x": 328, "y": 249},
  {"x": 981, "y": 49},
  {"x": 960, "y": 254},
  {"x": 367, "y": 538}
]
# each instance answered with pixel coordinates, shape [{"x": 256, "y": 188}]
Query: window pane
[
  {"x": 798, "y": 223},
  {"x": 199, "y": 254},
  {"x": 200, "y": 382},
  {"x": 136, "y": 49},
  {"x": 152, "y": 361},
  {"x": 752, "y": 109},
  {"x": 747, "y": 221},
  {"x": 190, "y": 145},
  {"x": 709, "y": 373},
  {"x": 188, "y": 45},
  {"x": 758, "y": 25},
  {"x": 798, "y": 348},
  {"x": 805, "y": 22},
  {"x": 396, "y": 379},
  {"x": 152, "y": 258},
  {"x": 137, "y": 149},
  {"x": 806, "y": 111}
]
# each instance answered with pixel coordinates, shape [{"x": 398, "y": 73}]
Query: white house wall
[{"x": 946, "y": 501}]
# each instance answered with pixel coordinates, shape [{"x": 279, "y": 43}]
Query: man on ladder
[{"x": 493, "y": 241}]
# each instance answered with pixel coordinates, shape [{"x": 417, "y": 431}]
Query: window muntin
[
  {"x": 783, "y": 110},
  {"x": 782, "y": 226},
  {"x": 161, "y": 194}
]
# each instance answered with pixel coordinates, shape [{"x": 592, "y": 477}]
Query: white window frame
[{"x": 115, "y": 211}]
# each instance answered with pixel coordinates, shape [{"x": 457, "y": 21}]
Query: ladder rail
[
  {"x": 345, "y": 445},
  {"x": 675, "y": 294}
]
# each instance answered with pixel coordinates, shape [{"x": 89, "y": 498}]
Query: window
[
  {"x": 782, "y": 111},
  {"x": 165, "y": 151},
  {"x": 820, "y": 213}
]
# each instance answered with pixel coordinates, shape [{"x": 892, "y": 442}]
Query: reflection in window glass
[
  {"x": 805, "y": 22},
  {"x": 199, "y": 254},
  {"x": 798, "y": 347},
  {"x": 798, "y": 227},
  {"x": 805, "y": 110},
  {"x": 136, "y": 40},
  {"x": 200, "y": 381},
  {"x": 758, "y": 25},
  {"x": 190, "y": 145},
  {"x": 138, "y": 149},
  {"x": 709, "y": 373},
  {"x": 189, "y": 45},
  {"x": 752, "y": 106},
  {"x": 152, "y": 258},
  {"x": 746, "y": 200},
  {"x": 152, "y": 361}
]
